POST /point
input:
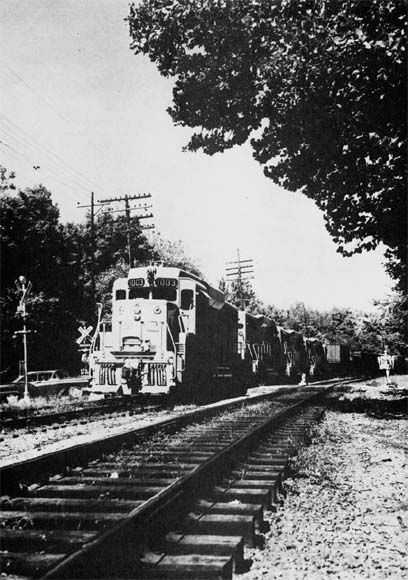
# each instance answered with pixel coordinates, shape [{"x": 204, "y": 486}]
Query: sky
[{"x": 80, "y": 112}]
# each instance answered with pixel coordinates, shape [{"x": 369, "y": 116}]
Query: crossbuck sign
[{"x": 85, "y": 334}]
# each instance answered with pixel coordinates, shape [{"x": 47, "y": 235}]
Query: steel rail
[
  {"x": 114, "y": 405},
  {"x": 161, "y": 509},
  {"x": 17, "y": 475}
]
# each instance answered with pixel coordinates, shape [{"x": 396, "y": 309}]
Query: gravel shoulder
[
  {"x": 346, "y": 511},
  {"x": 377, "y": 389}
]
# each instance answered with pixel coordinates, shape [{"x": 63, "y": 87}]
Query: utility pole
[
  {"x": 93, "y": 244},
  {"x": 24, "y": 288},
  {"x": 93, "y": 285},
  {"x": 129, "y": 245},
  {"x": 128, "y": 209},
  {"x": 305, "y": 317},
  {"x": 239, "y": 271}
]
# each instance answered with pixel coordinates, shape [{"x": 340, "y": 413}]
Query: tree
[
  {"x": 392, "y": 322},
  {"x": 174, "y": 254},
  {"x": 105, "y": 259},
  {"x": 33, "y": 244},
  {"x": 29, "y": 236},
  {"x": 241, "y": 294},
  {"x": 59, "y": 262},
  {"x": 317, "y": 86},
  {"x": 111, "y": 241},
  {"x": 6, "y": 179}
]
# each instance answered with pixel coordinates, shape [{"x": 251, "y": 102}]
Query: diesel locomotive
[{"x": 172, "y": 333}]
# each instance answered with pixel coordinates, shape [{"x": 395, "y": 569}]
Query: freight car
[
  {"x": 364, "y": 363},
  {"x": 173, "y": 333}
]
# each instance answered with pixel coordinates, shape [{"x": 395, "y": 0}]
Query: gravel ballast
[
  {"x": 23, "y": 444},
  {"x": 345, "y": 514}
]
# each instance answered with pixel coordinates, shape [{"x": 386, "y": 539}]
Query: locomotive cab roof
[{"x": 216, "y": 297}]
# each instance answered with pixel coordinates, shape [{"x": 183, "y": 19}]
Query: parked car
[
  {"x": 15, "y": 390},
  {"x": 45, "y": 383}
]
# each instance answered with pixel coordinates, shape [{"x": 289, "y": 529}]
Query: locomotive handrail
[
  {"x": 179, "y": 357},
  {"x": 171, "y": 336},
  {"x": 97, "y": 327},
  {"x": 181, "y": 323}
]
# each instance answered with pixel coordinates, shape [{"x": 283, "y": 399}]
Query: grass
[{"x": 50, "y": 403}]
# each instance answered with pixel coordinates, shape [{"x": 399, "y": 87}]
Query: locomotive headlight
[
  {"x": 170, "y": 360},
  {"x": 157, "y": 310},
  {"x": 137, "y": 312}
]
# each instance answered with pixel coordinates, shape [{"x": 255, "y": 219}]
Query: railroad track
[
  {"x": 134, "y": 404},
  {"x": 178, "y": 504},
  {"x": 12, "y": 419}
]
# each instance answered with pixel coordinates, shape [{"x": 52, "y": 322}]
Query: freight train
[{"x": 172, "y": 333}]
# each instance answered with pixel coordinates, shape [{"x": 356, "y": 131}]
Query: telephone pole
[
  {"x": 239, "y": 271},
  {"x": 128, "y": 209},
  {"x": 93, "y": 243}
]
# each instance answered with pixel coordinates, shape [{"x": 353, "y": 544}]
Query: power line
[
  {"x": 67, "y": 167},
  {"x": 48, "y": 103},
  {"x": 34, "y": 91},
  {"x": 41, "y": 162},
  {"x": 30, "y": 161},
  {"x": 37, "y": 162},
  {"x": 127, "y": 210}
]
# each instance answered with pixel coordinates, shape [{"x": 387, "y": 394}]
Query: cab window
[
  {"x": 138, "y": 293},
  {"x": 187, "y": 299},
  {"x": 165, "y": 293},
  {"x": 120, "y": 294}
]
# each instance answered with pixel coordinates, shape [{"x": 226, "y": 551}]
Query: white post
[
  {"x": 26, "y": 395},
  {"x": 24, "y": 287}
]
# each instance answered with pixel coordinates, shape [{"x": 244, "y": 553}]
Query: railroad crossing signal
[
  {"x": 23, "y": 290},
  {"x": 85, "y": 334}
]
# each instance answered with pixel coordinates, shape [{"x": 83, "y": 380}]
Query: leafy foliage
[
  {"x": 6, "y": 179},
  {"x": 241, "y": 295},
  {"x": 174, "y": 254},
  {"x": 392, "y": 321},
  {"x": 33, "y": 244},
  {"x": 317, "y": 86}
]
